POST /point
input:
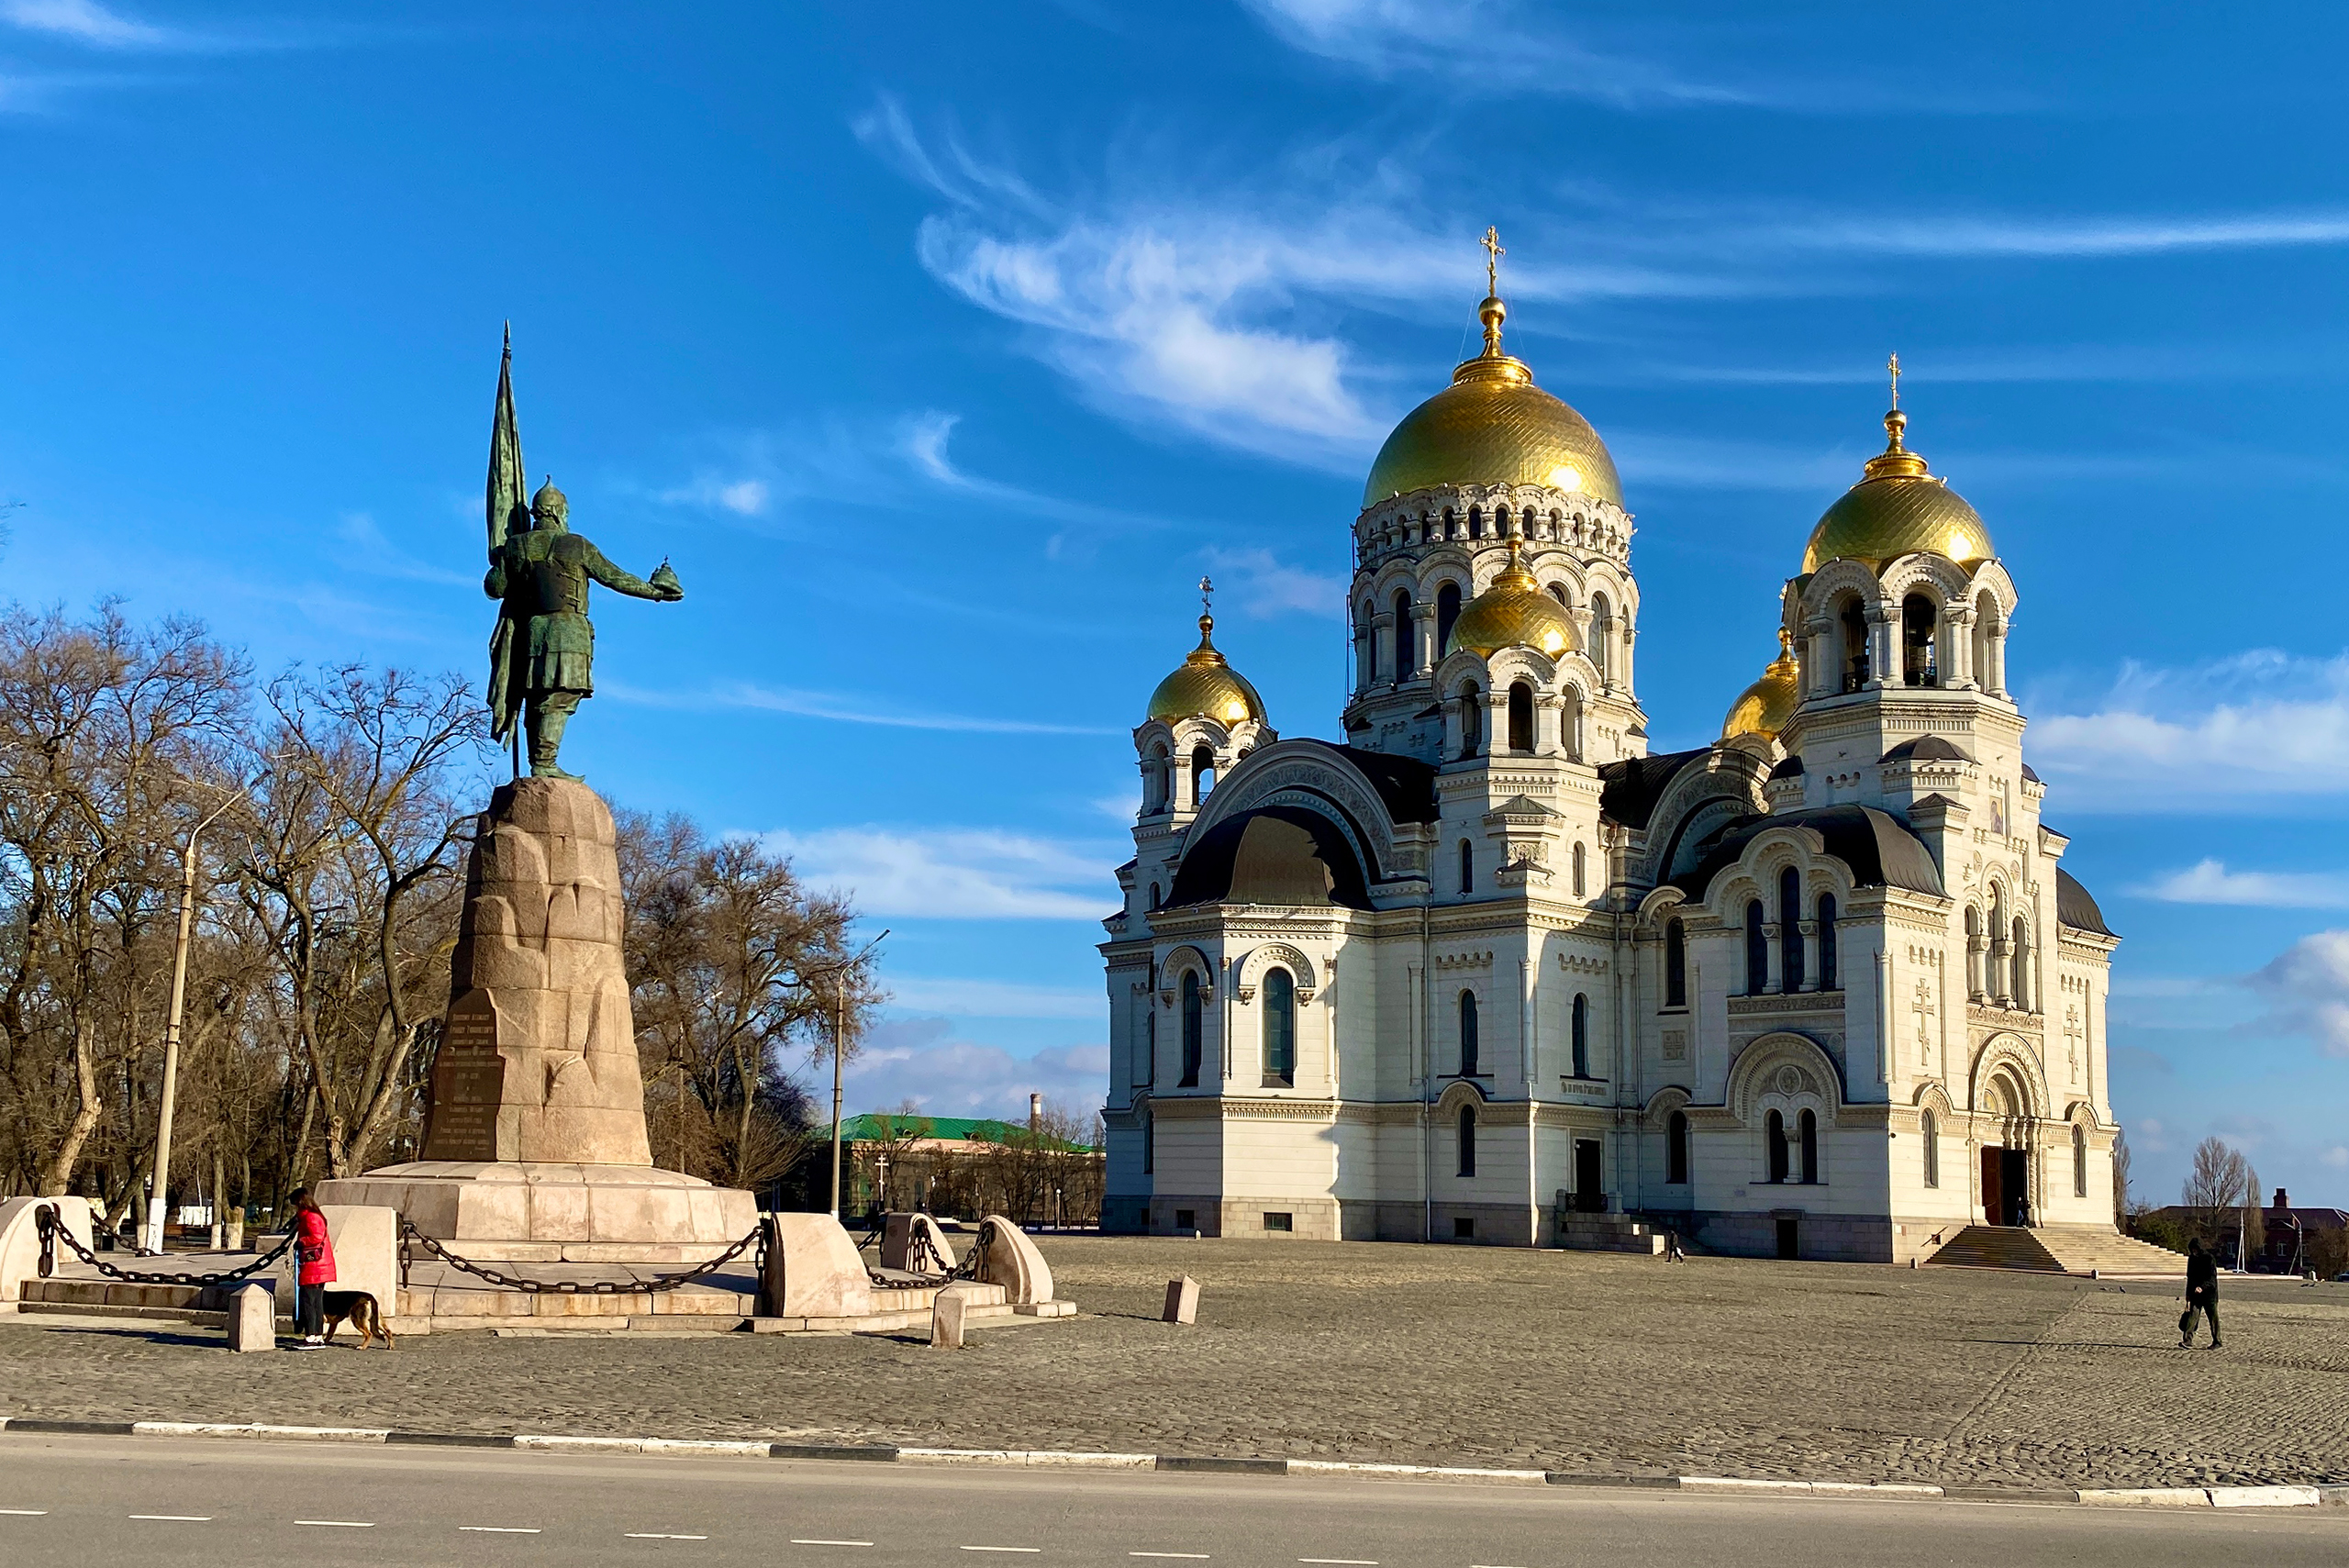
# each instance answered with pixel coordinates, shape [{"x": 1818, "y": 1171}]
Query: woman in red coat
[{"x": 313, "y": 1271}]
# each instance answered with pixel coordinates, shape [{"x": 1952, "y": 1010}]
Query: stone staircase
[
  {"x": 1609, "y": 1233},
  {"x": 2057, "y": 1249}
]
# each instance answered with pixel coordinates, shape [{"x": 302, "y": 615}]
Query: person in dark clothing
[{"x": 2202, "y": 1295}]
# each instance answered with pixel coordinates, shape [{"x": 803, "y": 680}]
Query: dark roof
[
  {"x": 2031, "y": 776},
  {"x": 1634, "y": 785},
  {"x": 1790, "y": 769},
  {"x": 1879, "y": 848},
  {"x": 1273, "y": 854},
  {"x": 1405, "y": 784},
  {"x": 2075, "y": 908},
  {"x": 1925, "y": 749}
]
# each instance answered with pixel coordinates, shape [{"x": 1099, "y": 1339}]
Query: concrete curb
[{"x": 2279, "y": 1497}]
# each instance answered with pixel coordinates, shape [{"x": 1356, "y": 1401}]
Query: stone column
[
  {"x": 1808, "y": 931},
  {"x": 1883, "y": 646},
  {"x": 1381, "y": 646},
  {"x": 1822, "y": 664},
  {"x": 1957, "y": 648},
  {"x": 1423, "y": 648}
]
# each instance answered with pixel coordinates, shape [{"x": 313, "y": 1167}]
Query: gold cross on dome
[
  {"x": 1893, "y": 364},
  {"x": 1493, "y": 254},
  {"x": 1206, "y": 596}
]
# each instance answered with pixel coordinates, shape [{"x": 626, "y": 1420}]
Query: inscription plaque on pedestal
[{"x": 468, "y": 1083}]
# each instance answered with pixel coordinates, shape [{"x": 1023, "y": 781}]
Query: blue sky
[{"x": 942, "y": 348}]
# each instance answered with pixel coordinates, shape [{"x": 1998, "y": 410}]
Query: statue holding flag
[{"x": 541, "y": 655}]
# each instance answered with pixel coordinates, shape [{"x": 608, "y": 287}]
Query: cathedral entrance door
[
  {"x": 1992, "y": 1209},
  {"x": 1589, "y": 1197},
  {"x": 2014, "y": 1185}
]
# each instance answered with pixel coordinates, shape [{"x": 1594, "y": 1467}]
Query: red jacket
[{"x": 312, "y": 1247}]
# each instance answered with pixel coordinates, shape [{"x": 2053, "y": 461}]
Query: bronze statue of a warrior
[{"x": 542, "y": 656}]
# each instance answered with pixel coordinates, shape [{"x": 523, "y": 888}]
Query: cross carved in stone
[
  {"x": 1923, "y": 1008},
  {"x": 2072, "y": 1036}
]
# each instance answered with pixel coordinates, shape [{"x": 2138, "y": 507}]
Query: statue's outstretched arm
[{"x": 627, "y": 582}]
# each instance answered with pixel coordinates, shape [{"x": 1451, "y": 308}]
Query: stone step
[
  {"x": 2057, "y": 1249},
  {"x": 1996, "y": 1247}
]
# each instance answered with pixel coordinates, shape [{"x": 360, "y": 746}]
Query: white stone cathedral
[{"x": 1491, "y": 970}]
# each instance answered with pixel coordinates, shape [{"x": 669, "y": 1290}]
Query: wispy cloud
[
  {"x": 991, "y": 998},
  {"x": 956, "y": 873},
  {"x": 2210, "y": 881},
  {"x": 840, "y": 707},
  {"x": 2064, "y": 236},
  {"x": 924, "y": 1061},
  {"x": 2307, "y": 988},
  {"x": 2255, "y": 727},
  {"x": 84, "y": 22},
  {"x": 1264, "y": 586},
  {"x": 376, "y": 555}
]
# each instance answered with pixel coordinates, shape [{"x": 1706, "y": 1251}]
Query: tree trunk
[{"x": 55, "y": 1182}]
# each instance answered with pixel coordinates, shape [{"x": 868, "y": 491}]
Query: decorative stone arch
[
  {"x": 1251, "y": 971},
  {"x": 1932, "y": 1097},
  {"x": 1939, "y": 578},
  {"x": 1659, "y": 905},
  {"x": 1510, "y": 665},
  {"x": 1786, "y": 1071},
  {"x": 1397, "y": 576},
  {"x": 1662, "y": 1103},
  {"x": 1724, "y": 784},
  {"x": 2081, "y": 1112},
  {"x": 2006, "y": 1068},
  {"x": 1451, "y": 563},
  {"x": 1310, "y": 776},
  {"x": 1189, "y": 959},
  {"x": 1837, "y": 578},
  {"x": 1768, "y": 853},
  {"x": 1458, "y": 1093}
]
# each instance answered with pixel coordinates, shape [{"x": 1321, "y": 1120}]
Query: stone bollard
[
  {"x": 252, "y": 1317},
  {"x": 946, "y": 1321},
  {"x": 1181, "y": 1299}
]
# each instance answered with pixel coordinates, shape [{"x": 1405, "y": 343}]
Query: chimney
[
  {"x": 1035, "y": 1113},
  {"x": 2281, "y": 1201}
]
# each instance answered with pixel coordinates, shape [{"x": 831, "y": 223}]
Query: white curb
[
  {"x": 2265, "y": 1496},
  {"x": 1451, "y": 1472},
  {"x": 256, "y": 1429},
  {"x": 689, "y": 1447},
  {"x": 1040, "y": 1458},
  {"x": 2147, "y": 1497}
]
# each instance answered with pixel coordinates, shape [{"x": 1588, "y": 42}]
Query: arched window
[
  {"x": 1828, "y": 980},
  {"x": 1202, "y": 775},
  {"x": 1676, "y": 1150},
  {"x": 1404, "y": 664},
  {"x": 1468, "y": 1062},
  {"x": 1582, "y": 1036},
  {"x": 1468, "y": 1140},
  {"x": 1156, "y": 797},
  {"x": 1582, "y": 880},
  {"x": 1931, "y": 1133},
  {"x": 1809, "y": 1125},
  {"x": 1472, "y": 721},
  {"x": 1558, "y": 592},
  {"x": 1995, "y": 976},
  {"x": 1853, "y": 622},
  {"x": 1774, "y": 1141},
  {"x": 1467, "y": 867},
  {"x": 1194, "y": 1027},
  {"x": 1149, "y": 1048},
  {"x": 2080, "y": 1160},
  {"x": 1972, "y": 951},
  {"x": 1155, "y": 897},
  {"x": 1757, "y": 950},
  {"x": 1602, "y": 637},
  {"x": 1790, "y": 928},
  {"x": 1520, "y": 717},
  {"x": 1918, "y": 665},
  {"x": 1280, "y": 1026},
  {"x": 1447, "y": 611},
  {"x": 1149, "y": 1143},
  {"x": 1675, "y": 964},
  {"x": 2021, "y": 961}
]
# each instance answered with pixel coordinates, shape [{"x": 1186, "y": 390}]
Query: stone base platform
[{"x": 540, "y": 1212}]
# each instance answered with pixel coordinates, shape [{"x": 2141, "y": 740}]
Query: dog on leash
[{"x": 360, "y": 1310}]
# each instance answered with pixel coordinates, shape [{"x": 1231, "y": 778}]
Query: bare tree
[
  {"x": 2120, "y": 1160},
  {"x": 2214, "y": 1188}
]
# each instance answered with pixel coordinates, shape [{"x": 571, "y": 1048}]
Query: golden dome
[
  {"x": 1514, "y": 613},
  {"x": 1897, "y": 509},
  {"x": 1763, "y": 707},
  {"x": 1493, "y": 426},
  {"x": 1204, "y": 686}
]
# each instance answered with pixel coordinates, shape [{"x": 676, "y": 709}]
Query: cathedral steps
[
  {"x": 2056, "y": 1250},
  {"x": 1609, "y": 1233}
]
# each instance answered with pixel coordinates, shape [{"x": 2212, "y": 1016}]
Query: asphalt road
[{"x": 160, "y": 1501}]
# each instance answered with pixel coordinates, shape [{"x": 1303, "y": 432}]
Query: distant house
[
  {"x": 2294, "y": 1238},
  {"x": 965, "y": 1166}
]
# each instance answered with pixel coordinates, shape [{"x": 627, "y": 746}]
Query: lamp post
[
  {"x": 839, "y": 1045},
  {"x": 153, "y": 1240}
]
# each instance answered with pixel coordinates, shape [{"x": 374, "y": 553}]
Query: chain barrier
[
  {"x": 652, "y": 1286},
  {"x": 939, "y": 1276},
  {"x": 52, "y": 1230}
]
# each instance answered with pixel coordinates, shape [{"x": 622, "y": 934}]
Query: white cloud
[
  {"x": 82, "y": 21},
  {"x": 990, "y": 998},
  {"x": 839, "y": 706},
  {"x": 2307, "y": 987},
  {"x": 1266, "y": 587},
  {"x": 2260, "y": 726},
  {"x": 921, "y": 1059},
  {"x": 2210, "y": 881},
  {"x": 1993, "y": 236},
  {"x": 2337, "y": 1157},
  {"x": 955, "y": 874}
]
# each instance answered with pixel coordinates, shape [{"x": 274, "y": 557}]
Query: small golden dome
[
  {"x": 1514, "y": 613},
  {"x": 1493, "y": 426},
  {"x": 1763, "y": 707},
  {"x": 1204, "y": 686},
  {"x": 1897, "y": 509}
]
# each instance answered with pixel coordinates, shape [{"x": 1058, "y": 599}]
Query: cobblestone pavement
[{"x": 1576, "y": 1361}]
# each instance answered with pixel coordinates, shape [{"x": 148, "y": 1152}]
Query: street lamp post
[
  {"x": 152, "y": 1241},
  {"x": 839, "y": 1046}
]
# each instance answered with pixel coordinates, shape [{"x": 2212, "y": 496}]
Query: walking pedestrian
[
  {"x": 313, "y": 1271},
  {"x": 1672, "y": 1252},
  {"x": 2202, "y": 1295}
]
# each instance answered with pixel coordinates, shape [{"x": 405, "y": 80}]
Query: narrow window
[
  {"x": 1582, "y": 1036},
  {"x": 1931, "y": 1133},
  {"x": 1405, "y": 665},
  {"x": 1995, "y": 981},
  {"x": 1202, "y": 775},
  {"x": 1809, "y": 1123},
  {"x": 1675, "y": 964},
  {"x": 1149, "y": 1143},
  {"x": 1757, "y": 950},
  {"x": 1773, "y": 1138},
  {"x": 1855, "y": 623},
  {"x": 1468, "y": 1140},
  {"x": 1193, "y": 1027},
  {"x": 1602, "y": 637},
  {"x": 1918, "y": 665},
  {"x": 1280, "y": 1028},
  {"x": 1468, "y": 1062},
  {"x": 1471, "y": 722},
  {"x": 1149, "y": 1046},
  {"x": 1676, "y": 1150},
  {"x": 1972, "y": 951},
  {"x": 1447, "y": 611},
  {"x": 1827, "y": 981},
  {"x": 2022, "y": 961},
  {"x": 1581, "y": 877},
  {"x": 2080, "y": 1160},
  {"x": 1790, "y": 927},
  {"x": 1156, "y": 897},
  {"x": 1520, "y": 717},
  {"x": 1467, "y": 867}
]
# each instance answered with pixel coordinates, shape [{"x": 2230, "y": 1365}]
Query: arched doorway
[{"x": 2006, "y": 1154}]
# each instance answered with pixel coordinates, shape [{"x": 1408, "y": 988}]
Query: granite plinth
[{"x": 549, "y": 1212}]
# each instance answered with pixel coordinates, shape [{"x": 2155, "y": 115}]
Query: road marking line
[
  {"x": 648, "y": 1535},
  {"x": 339, "y": 1524},
  {"x": 1191, "y": 1556},
  {"x": 500, "y": 1530},
  {"x": 25, "y": 1513},
  {"x": 797, "y": 1540},
  {"x": 1003, "y": 1548},
  {"x": 1348, "y": 1562},
  {"x": 178, "y": 1519}
]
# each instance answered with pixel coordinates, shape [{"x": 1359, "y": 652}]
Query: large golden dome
[
  {"x": 1514, "y": 613},
  {"x": 1493, "y": 426},
  {"x": 1763, "y": 707},
  {"x": 1897, "y": 509},
  {"x": 1204, "y": 686}
]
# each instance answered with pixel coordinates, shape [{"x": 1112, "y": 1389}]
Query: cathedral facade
[{"x": 1491, "y": 970}]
